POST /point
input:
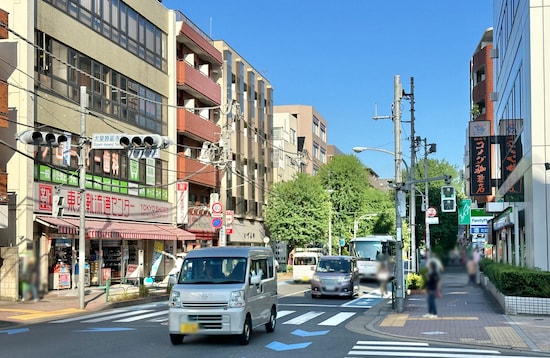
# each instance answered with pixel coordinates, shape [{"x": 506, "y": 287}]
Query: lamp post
[{"x": 396, "y": 116}]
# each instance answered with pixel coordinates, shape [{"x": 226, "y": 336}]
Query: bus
[
  {"x": 303, "y": 264},
  {"x": 372, "y": 252}
]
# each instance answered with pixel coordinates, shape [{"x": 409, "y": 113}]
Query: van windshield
[{"x": 205, "y": 270}]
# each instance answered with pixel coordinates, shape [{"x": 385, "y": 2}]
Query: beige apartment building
[
  {"x": 312, "y": 136},
  {"x": 246, "y": 147}
]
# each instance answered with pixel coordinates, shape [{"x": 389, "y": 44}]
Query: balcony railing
[
  {"x": 195, "y": 125},
  {"x": 194, "y": 171},
  {"x": 196, "y": 82}
]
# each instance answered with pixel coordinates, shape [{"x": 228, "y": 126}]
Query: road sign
[
  {"x": 217, "y": 223},
  {"x": 431, "y": 212},
  {"x": 216, "y": 209},
  {"x": 479, "y": 229}
]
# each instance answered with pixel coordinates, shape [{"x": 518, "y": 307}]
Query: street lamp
[
  {"x": 396, "y": 117},
  {"x": 362, "y": 149}
]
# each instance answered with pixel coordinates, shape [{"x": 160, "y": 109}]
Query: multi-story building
[
  {"x": 312, "y": 136},
  {"x": 126, "y": 65},
  {"x": 286, "y": 160},
  {"x": 246, "y": 147},
  {"x": 481, "y": 89},
  {"x": 198, "y": 114},
  {"x": 521, "y": 229}
]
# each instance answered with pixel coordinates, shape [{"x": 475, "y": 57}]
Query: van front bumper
[{"x": 206, "y": 321}]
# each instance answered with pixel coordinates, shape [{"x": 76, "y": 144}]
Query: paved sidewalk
[
  {"x": 63, "y": 303},
  {"x": 466, "y": 314}
]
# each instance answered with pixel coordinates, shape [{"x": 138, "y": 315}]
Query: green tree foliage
[
  {"x": 298, "y": 211},
  {"x": 443, "y": 235},
  {"x": 352, "y": 196}
]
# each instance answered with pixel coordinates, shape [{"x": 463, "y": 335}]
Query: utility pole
[
  {"x": 411, "y": 177},
  {"x": 398, "y": 182},
  {"x": 82, "y": 186},
  {"x": 426, "y": 197}
]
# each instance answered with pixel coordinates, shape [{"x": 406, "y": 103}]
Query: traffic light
[
  {"x": 57, "y": 205},
  {"x": 153, "y": 141},
  {"x": 42, "y": 138},
  {"x": 448, "y": 199}
]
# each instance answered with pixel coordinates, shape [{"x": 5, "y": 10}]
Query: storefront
[{"x": 119, "y": 243}]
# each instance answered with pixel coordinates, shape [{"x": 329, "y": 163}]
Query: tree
[
  {"x": 352, "y": 196},
  {"x": 443, "y": 236},
  {"x": 298, "y": 211}
]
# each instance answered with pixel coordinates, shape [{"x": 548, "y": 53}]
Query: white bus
[
  {"x": 304, "y": 263},
  {"x": 372, "y": 252}
]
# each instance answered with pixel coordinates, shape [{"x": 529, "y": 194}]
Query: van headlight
[
  {"x": 344, "y": 279},
  {"x": 236, "y": 299},
  {"x": 175, "y": 299},
  {"x": 315, "y": 277}
]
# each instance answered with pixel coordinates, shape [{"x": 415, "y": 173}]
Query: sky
[{"x": 341, "y": 58}]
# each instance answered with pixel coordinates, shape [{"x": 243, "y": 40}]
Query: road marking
[
  {"x": 281, "y": 314},
  {"x": 80, "y": 318},
  {"x": 304, "y": 318},
  {"x": 337, "y": 319},
  {"x": 120, "y": 315},
  {"x": 143, "y": 316}
]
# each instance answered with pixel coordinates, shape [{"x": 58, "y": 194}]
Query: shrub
[
  {"x": 517, "y": 281},
  {"x": 415, "y": 281}
]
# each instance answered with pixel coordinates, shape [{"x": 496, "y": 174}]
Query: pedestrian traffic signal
[
  {"x": 154, "y": 141},
  {"x": 448, "y": 199},
  {"x": 42, "y": 138}
]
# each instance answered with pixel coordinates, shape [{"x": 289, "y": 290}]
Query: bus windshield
[{"x": 373, "y": 248}]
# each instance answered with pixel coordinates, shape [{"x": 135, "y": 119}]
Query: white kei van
[{"x": 224, "y": 291}]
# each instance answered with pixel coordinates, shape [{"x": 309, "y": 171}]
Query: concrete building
[
  {"x": 246, "y": 147},
  {"x": 482, "y": 106},
  {"x": 198, "y": 69},
  {"x": 521, "y": 228},
  {"x": 127, "y": 64},
  {"x": 312, "y": 135},
  {"x": 287, "y": 162}
]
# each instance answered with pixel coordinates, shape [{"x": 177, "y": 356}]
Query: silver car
[{"x": 335, "y": 276}]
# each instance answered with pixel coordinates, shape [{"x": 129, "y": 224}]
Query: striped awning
[{"x": 124, "y": 230}]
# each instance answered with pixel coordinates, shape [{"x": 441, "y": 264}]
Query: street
[{"x": 324, "y": 327}]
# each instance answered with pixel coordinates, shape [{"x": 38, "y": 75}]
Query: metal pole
[
  {"x": 412, "y": 197},
  {"x": 427, "y": 198},
  {"x": 82, "y": 187},
  {"x": 398, "y": 181},
  {"x": 330, "y": 229}
]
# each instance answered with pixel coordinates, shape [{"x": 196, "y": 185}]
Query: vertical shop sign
[
  {"x": 480, "y": 156},
  {"x": 511, "y": 151},
  {"x": 134, "y": 170},
  {"x": 150, "y": 171},
  {"x": 182, "y": 200}
]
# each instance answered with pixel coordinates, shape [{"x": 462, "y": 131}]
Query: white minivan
[{"x": 224, "y": 291}]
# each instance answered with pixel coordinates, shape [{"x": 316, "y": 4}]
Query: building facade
[
  {"x": 126, "y": 68},
  {"x": 246, "y": 148},
  {"x": 312, "y": 136},
  {"x": 521, "y": 230},
  {"x": 287, "y": 162}
]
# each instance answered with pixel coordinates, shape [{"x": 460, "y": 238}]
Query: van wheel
[
  {"x": 270, "y": 326},
  {"x": 244, "y": 337},
  {"x": 176, "y": 339}
]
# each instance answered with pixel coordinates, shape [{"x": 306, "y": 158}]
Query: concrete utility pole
[
  {"x": 426, "y": 196},
  {"x": 400, "y": 292},
  {"x": 82, "y": 187},
  {"x": 411, "y": 177}
]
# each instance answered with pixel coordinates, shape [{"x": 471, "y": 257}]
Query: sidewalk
[
  {"x": 466, "y": 314},
  {"x": 62, "y": 303}
]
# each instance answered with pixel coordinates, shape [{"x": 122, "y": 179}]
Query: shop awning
[{"x": 107, "y": 229}]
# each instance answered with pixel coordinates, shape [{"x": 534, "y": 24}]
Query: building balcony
[
  {"x": 480, "y": 91},
  {"x": 196, "y": 83},
  {"x": 197, "y": 127},
  {"x": 3, "y": 187},
  {"x": 3, "y": 104},
  {"x": 187, "y": 167}
]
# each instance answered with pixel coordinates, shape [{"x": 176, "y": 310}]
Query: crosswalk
[
  {"x": 418, "y": 349},
  {"x": 285, "y": 317}
]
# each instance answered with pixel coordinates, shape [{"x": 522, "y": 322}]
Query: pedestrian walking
[
  {"x": 471, "y": 266},
  {"x": 433, "y": 287}
]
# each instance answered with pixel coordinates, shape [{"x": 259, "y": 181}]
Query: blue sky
[{"x": 341, "y": 58}]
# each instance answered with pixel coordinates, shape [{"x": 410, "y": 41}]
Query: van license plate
[{"x": 189, "y": 328}]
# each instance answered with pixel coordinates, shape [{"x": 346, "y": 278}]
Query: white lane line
[
  {"x": 281, "y": 314},
  {"x": 80, "y": 318}
]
